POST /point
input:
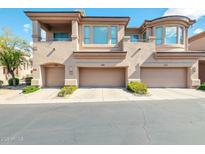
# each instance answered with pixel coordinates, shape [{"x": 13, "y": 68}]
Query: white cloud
[
  {"x": 198, "y": 30},
  {"x": 26, "y": 27},
  {"x": 191, "y": 13}
]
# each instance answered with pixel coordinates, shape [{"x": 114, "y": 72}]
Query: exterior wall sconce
[
  {"x": 193, "y": 69},
  {"x": 70, "y": 69}
]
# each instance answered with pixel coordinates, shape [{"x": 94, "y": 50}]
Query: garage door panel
[
  {"x": 202, "y": 71},
  {"x": 55, "y": 76},
  {"x": 102, "y": 77},
  {"x": 164, "y": 77}
]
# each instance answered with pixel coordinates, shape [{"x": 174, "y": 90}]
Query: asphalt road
[{"x": 139, "y": 122}]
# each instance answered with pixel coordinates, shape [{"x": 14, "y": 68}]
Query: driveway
[
  {"x": 115, "y": 122},
  {"x": 117, "y": 94},
  {"x": 16, "y": 96},
  {"x": 49, "y": 95}
]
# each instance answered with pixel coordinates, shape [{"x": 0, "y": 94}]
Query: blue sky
[{"x": 16, "y": 20}]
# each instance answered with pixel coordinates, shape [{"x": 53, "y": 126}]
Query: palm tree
[{"x": 12, "y": 52}]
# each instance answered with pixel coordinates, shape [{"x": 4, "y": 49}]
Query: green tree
[{"x": 12, "y": 51}]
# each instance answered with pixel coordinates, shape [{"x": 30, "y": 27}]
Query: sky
[{"x": 20, "y": 25}]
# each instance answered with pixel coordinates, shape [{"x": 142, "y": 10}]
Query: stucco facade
[
  {"x": 130, "y": 56},
  {"x": 197, "y": 44}
]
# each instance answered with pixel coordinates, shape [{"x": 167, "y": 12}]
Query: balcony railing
[{"x": 55, "y": 39}]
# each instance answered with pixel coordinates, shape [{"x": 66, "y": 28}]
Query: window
[
  {"x": 171, "y": 35},
  {"x": 86, "y": 35},
  {"x": 158, "y": 34},
  {"x": 114, "y": 35},
  {"x": 181, "y": 35},
  {"x": 144, "y": 36},
  {"x": 100, "y": 35},
  {"x": 61, "y": 37},
  {"x": 134, "y": 38},
  {"x": 4, "y": 70}
]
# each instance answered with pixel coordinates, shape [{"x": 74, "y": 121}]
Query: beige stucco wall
[
  {"x": 198, "y": 44},
  {"x": 140, "y": 54},
  {"x": 2, "y": 76}
]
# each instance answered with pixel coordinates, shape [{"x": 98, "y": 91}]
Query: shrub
[
  {"x": 10, "y": 82},
  {"x": 66, "y": 90},
  {"x": 1, "y": 83},
  {"x": 28, "y": 80},
  {"x": 137, "y": 87},
  {"x": 202, "y": 87},
  {"x": 30, "y": 89}
]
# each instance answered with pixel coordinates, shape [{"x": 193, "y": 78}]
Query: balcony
[
  {"x": 141, "y": 44},
  {"x": 53, "y": 51}
]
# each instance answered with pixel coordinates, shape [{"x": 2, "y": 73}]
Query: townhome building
[
  {"x": 21, "y": 72},
  {"x": 103, "y": 51}
]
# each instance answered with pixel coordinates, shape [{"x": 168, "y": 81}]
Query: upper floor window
[
  {"x": 171, "y": 35},
  {"x": 181, "y": 35},
  {"x": 134, "y": 38},
  {"x": 86, "y": 34},
  {"x": 114, "y": 35},
  {"x": 158, "y": 33},
  {"x": 100, "y": 34},
  {"x": 61, "y": 37},
  {"x": 144, "y": 36}
]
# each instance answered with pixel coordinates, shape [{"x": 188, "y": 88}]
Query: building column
[
  {"x": 193, "y": 76},
  {"x": 75, "y": 35},
  {"x": 186, "y": 39},
  {"x": 133, "y": 73},
  {"x": 36, "y": 34},
  {"x": 74, "y": 29},
  {"x": 148, "y": 33}
]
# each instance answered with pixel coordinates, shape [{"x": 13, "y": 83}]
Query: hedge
[
  {"x": 137, "y": 87},
  {"x": 10, "y": 82},
  {"x": 66, "y": 90},
  {"x": 30, "y": 89}
]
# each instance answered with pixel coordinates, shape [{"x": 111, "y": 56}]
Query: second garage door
[
  {"x": 164, "y": 77},
  {"x": 55, "y": 76},
  {"x": 102, "y": 77}
]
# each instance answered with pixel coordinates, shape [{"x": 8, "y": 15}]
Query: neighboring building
[
  {"x": 22, "y": 72},
  {"x": 93, "y": 51},
  {"x": 197, "y": 44}
]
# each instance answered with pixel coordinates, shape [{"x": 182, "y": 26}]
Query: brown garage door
[
  {"x": 55, "y": 76},
  {"x": 164, "y": 77},
  {"x": 102, "y": 77},
  {"x": 202, "y": 71}
]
